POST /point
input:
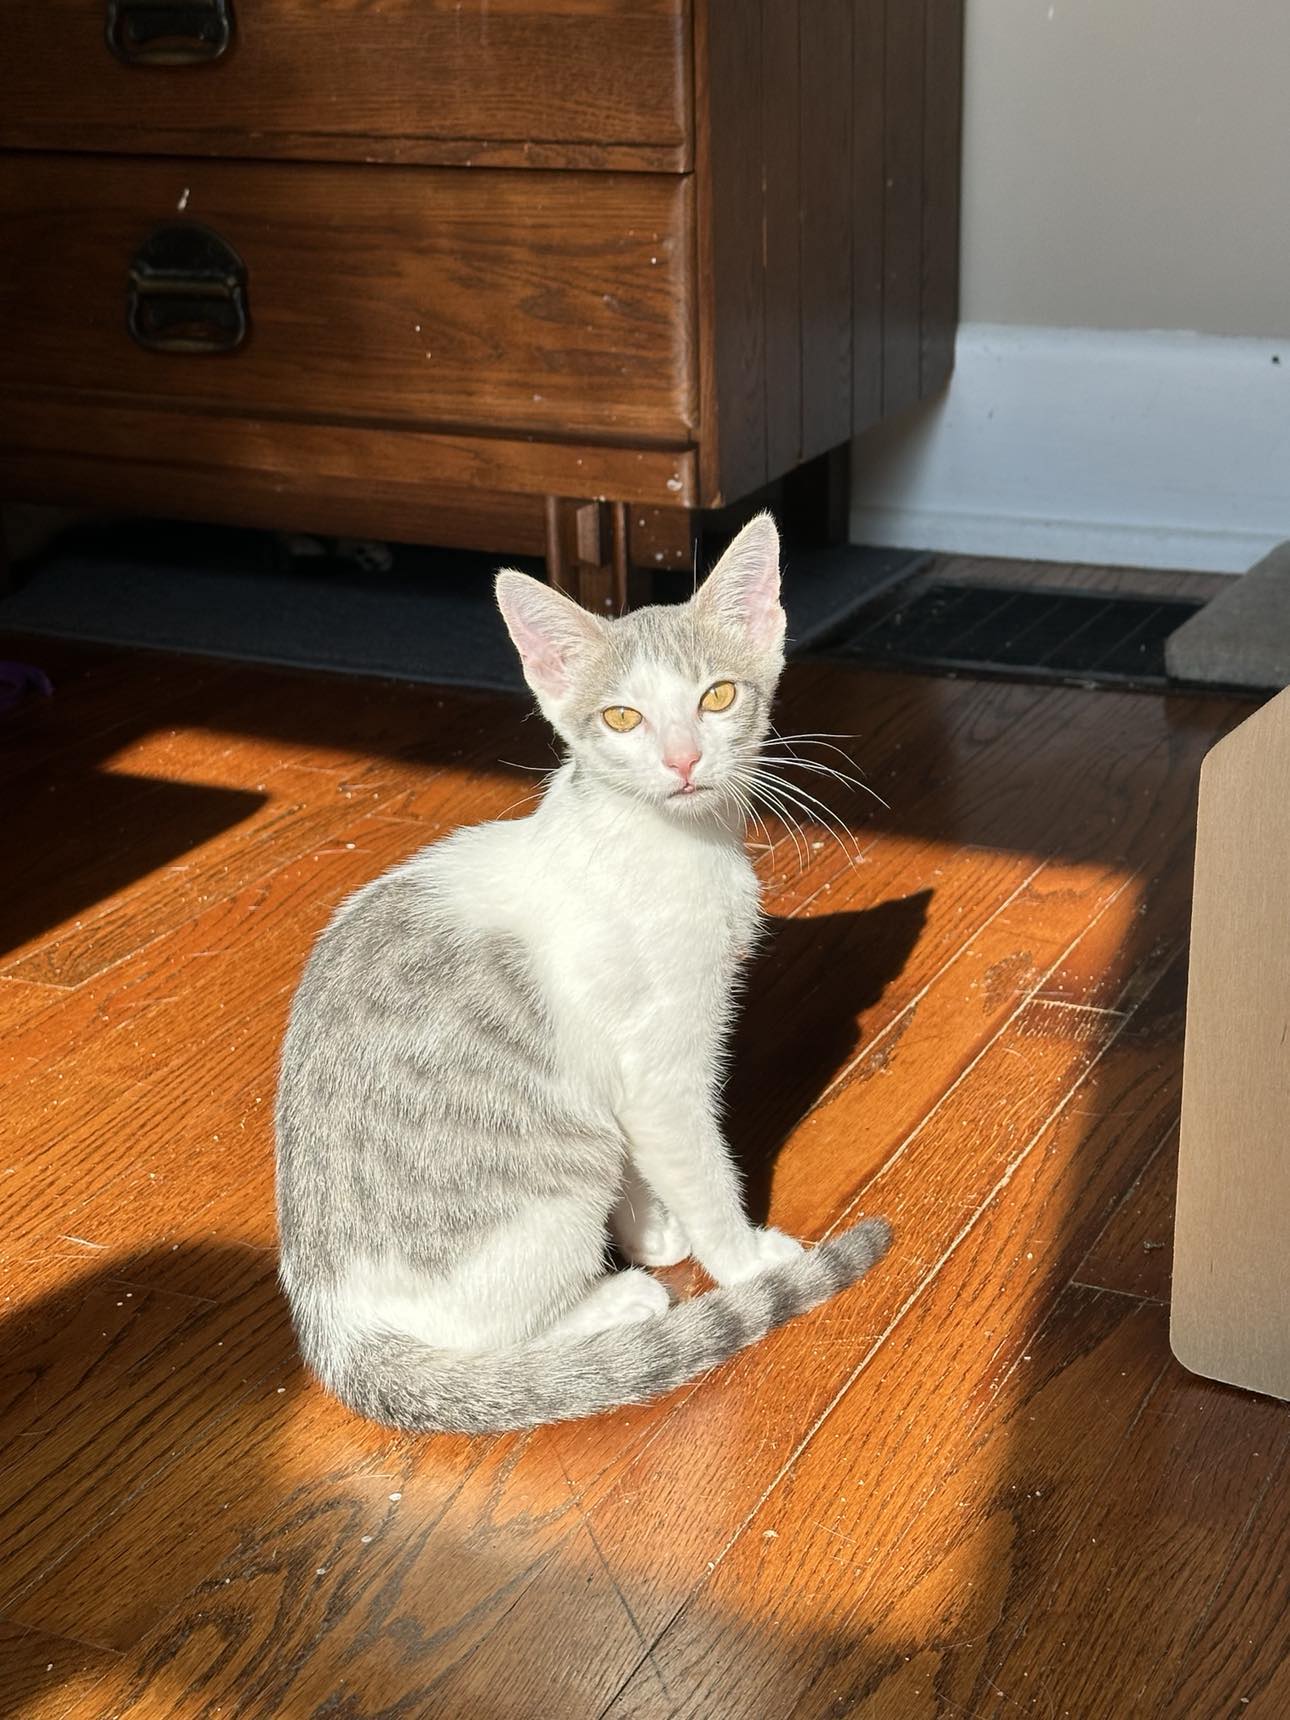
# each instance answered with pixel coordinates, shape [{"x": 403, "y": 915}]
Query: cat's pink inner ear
[
  {"x": 547, "y": 629},
  {"x": 743, "y": 588}
]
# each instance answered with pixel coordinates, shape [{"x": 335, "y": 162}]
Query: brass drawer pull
[
  {"x": 168, "y": 32},
  {"x": 187, "y": 291}
]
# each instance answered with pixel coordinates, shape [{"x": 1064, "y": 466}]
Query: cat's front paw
[
  {"x": 758, "y": 1251},
  {"x": 655, "y": 1239}
]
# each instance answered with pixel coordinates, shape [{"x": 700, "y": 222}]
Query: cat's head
[{"x": 670, "y": 702}]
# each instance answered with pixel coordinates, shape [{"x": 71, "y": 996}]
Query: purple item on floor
[{"x": 19, "y": 679}]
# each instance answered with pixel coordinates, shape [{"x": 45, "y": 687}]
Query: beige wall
[{"x": 1127, "y": 164}]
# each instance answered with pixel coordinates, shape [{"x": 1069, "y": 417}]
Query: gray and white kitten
[{"x": 510, "y": 1046}]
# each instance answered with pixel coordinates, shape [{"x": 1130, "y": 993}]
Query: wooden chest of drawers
[{"x": 524, "y": 275}]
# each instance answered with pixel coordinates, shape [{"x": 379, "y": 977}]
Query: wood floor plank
[
  {"x": 188, "y": 785},
  {"x": 81, "y": 1339},
  {"x": 100, "y": 696},
  {"x": 235, "y": 836},
  {"x": 275, "y": 1444},
  {"x": 1239, "y": 1660},
  {"x": 271, "y": 919},
  {"x": 57, "y": 878},
  {"x": 1134, "y": 1254},
  {"x": 19, "y": 1002},
  {"x": 264, "y": 832},
  {"x": 330, "y": 1620},
  {"x": 71, "y": 1472},
  {"x": 368, "y": 1519},
  {"x": 1049, "y": 576},
  {"x": 1148, "y": 1555},
  {"x": 44, "y": 1677}
]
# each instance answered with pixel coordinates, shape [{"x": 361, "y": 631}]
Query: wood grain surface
[
  {"x": 145, "y": 452},
  {"x": 827, "y": 158},
  {"x": 556, "y": 303},
  {"x": 582, "y": 82},
  {"x": 976, "y": 1484}
]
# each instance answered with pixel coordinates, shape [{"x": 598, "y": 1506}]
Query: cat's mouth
[{"x": 689, "y": 789}]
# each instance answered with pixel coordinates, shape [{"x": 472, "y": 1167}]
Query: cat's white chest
[
  {"x": 634, "y": 929},
  {"x": 653, "y": 958}
]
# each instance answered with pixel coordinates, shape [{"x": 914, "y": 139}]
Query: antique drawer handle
[
  {"x": 168, "y": 32},
  {"x": 187, "y": 291}
]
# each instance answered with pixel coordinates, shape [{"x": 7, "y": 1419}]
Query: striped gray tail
[{"x": 398, "y": 1380}]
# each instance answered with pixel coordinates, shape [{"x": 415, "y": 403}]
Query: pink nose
[{"x": 682, "y": 763}]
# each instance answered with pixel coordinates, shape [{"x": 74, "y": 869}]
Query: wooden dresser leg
[{"x": 587, "y": 556}]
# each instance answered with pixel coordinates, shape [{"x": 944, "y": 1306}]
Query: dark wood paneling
[
  {"x": 830, "y": 171},
  {"x": 781, "y": 88},
  {"x": 730, "y": 143},
  {"x": 942, "y": 132},
  {"x": 557, "y": 303},
  {"x": 349, "y": 455},
  {"x": 905, "y": 61},
  {"x": 868, "y": 199},
  {"x": 827, "y": 101},
  {"x": 406, "y": 80}
]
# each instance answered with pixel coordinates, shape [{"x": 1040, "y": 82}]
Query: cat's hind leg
[{"x": 511, "y": 1281}]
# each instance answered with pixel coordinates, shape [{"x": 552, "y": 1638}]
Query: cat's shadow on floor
[{"x": 800, "y": 1025}]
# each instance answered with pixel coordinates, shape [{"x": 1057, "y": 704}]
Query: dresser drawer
[
  {"x": 560, "y": 83},
  {"x": 555, "y": 303}
]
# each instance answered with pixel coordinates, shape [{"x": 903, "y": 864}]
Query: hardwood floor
[{"x": 977, "y": 1484}]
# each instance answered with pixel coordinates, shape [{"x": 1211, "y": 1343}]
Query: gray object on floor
[
  {"x": 225, "y": 593},
  {"x": 1241, "y": 638}
]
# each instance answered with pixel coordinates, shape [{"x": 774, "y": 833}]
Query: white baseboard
[{"x": 1141, "y": 450}]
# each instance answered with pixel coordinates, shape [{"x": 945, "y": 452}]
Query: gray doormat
[
  {"x": 219, "y": 592},
  {"x": 1241, "y": 638}
]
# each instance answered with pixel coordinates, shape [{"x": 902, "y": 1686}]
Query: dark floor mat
[
  {"x": 427, "y": 616},
  {"x": 1085, "y": 637}
]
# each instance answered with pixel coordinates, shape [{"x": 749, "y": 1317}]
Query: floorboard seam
[{"x": 1111, "y": 1290}]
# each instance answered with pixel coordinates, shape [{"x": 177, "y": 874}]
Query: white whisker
[
  {"x": 757, "y": 791},
  {"x": 817, "y": 811},
  {"x": 783, "y": 811},
  {"x": 822, "y": 769}
]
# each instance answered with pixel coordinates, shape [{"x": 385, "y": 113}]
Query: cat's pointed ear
[
  {"x": 742, "y": 591},
  {"x": 549, "y": 630}
]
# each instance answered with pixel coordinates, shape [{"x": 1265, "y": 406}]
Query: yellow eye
[
  {"x": 621, "y": 718},
  {"x": 718, "y": 698}
]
